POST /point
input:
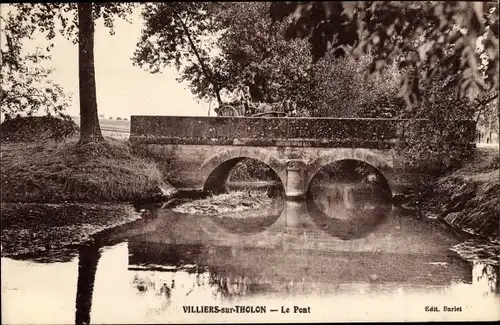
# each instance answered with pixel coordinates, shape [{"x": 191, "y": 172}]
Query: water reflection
[
  {"x": 204, "y": 274},
  {"x": 87, "y": 266},
  {"x": 485, "y": 278},
  {"x": 148, "y": 273},
  {"x": 348, "y": 199},
  {"x": 348, "y": 223},
  {"x": 251, "y": 221}
]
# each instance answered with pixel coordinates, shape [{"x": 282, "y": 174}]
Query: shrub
[{"x": 34, "y": 128}]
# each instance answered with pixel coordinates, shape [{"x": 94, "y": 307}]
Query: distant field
[{"x": 111, "y": 128}]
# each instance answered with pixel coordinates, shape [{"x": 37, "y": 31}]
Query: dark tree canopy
[
  {"x": 174, "y": 34},
  {"x": 427, "y": 38},
  {"x": 250, "y": 50}
]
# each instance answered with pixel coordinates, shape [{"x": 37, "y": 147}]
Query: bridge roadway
[{"x": 199, "y": 152}]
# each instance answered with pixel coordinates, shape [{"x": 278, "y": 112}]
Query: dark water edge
[
  {"x": 30, "y": 230},
  {"x": 165, "y": 259},
  {"x": 127, "y": 216},
  {"x": 155, "y": 277}
]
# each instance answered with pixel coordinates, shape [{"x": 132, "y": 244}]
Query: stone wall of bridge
[
  {"x": 190, "y": 150},
  {"x": 190, "y": 166},
  {"x": 259, "y": 132}
]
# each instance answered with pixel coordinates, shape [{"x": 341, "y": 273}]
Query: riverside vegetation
[
  {"x": 43, "y": 163},
  {"x": 56, "y": 192},
  {"x": 53, "y": 188}
]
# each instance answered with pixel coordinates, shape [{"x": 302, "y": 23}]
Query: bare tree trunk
[{"x": 90, "y": 130}]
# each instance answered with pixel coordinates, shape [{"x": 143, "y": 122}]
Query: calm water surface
[{"x": 333, "y": 257}]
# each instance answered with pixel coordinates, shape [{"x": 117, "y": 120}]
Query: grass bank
[
  {"x": 469, "y": 198},
  {"x": 49, "y": 171}
]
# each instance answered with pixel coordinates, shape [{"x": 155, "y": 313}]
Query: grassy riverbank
[
  {"x": 469, "y": 198},
  {"x": 56, "y": 172},
  {"x": 56, "y": 192}
]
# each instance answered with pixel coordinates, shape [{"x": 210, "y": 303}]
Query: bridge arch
[
  {"x": 382, "y": 163},
  {"x": 216, "y": 169}
]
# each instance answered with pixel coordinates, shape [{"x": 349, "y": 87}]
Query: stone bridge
[{"x": 199, "y": 152}]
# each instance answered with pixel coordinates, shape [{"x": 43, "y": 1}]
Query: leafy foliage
[
  {"x": 442, "y": 144},
  {"x": 342, "y": 88},
  {"x": 254, "y": 52},
  {"x": 251, "y": 51},
  {"x": 52, "y": 18},
  {"x": 25, "y": 85},
  {"x": 174, "y": 34},
  {"x": 238, "y": 44},
  {"x": 435, "y": 37},
  {"x": 35, "y": 128},
  {"x": 76, "y": 22},
  {"x": 251, "y": 169}
]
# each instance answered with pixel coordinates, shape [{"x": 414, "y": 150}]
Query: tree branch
[
  {"x": 4, "y": 99},
  {"x": 198, "y": 57}
]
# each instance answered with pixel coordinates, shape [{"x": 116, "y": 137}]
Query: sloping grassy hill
[{"x": 56, "y": 172}]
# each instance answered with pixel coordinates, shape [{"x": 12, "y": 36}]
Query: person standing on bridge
[{"x": 242, "y": 95}]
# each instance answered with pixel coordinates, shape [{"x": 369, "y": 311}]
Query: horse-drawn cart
[{"x": 261, "y": 110}]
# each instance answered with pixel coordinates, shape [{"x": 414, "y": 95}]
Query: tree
[
  {"x": 76, "y": 22},
  {"x": 25, "y": 85},
  {"x": 343, "y": 88},
  {"x": 188, "y": 34},
  {"x": 429, "y": 37},
  {"x": 447, "y": 53},
  {"x": 175, "y": 33},
  {"x": 254, "y": 52}
]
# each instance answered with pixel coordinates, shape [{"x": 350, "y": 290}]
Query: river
[{"x": 291, "y": 261}]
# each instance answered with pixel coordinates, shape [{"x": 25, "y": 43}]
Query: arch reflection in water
[
  {"x": 250, "y": 221},
  {"x": 349, "y": 199},
  {"x": 257, "y": 179}
]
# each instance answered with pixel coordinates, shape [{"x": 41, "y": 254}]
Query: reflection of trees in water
[
  {"x": 229, "y": 285},
  {"x": 349, "y": 170},
  {"x": 348, "y": 199},
  {"x": 58, "y": 255},
  {"x": 353, "y": 224},
  {"x": 485, "y": 278},
  {"x": 87, "y": 266},
  {"x": 250, "y": 221}
]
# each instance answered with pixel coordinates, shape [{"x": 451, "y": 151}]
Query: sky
[{"x": 122, "y": 89}]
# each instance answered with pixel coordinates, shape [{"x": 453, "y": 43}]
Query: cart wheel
[{"x": 228, "y": 110}]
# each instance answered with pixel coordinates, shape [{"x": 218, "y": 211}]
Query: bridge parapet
[{"x": 271, "y": 131}]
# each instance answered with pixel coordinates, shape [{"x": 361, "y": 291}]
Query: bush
[
  {"x": 441, "y": 146},
  {"x": 251, "y": 170},
  {"x": 444, "y": 142},
  {"x": 34, "y": 128}
]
